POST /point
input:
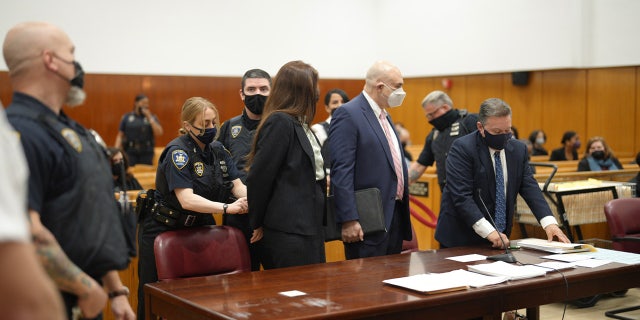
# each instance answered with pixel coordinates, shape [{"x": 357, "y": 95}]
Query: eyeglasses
[
  {"x": 390, "y": 87},
  {"x": 432, "y": 114}
]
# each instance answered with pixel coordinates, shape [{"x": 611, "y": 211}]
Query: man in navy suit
[
  {"x": 366, "y": 153},
  {"x": 471, "y": 180}
]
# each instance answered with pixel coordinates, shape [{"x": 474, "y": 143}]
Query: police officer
[
  {"x": 74, "y": 219},
  {"x": 137, "y": 132},
  {"x": 195, "y": 178},
  {"x": 237, "y": 134},
  {"x": 448, "y": 124}
]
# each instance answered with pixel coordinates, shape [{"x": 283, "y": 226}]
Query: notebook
[
  {"x": 369, "y": 206},
  {"x": 553, "y": 246}
]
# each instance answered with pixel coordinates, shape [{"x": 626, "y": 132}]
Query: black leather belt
[
  {"x": 174, "y": 218},
  {"x": 138, "y": 145}
]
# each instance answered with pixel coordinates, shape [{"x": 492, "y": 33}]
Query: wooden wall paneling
[
  {"x": 410, "y": 114},
  {"x": 223, "y": 92},
  {"x": 482, "y": 87},
  {"x": 108, "y": 98},
  {"x": 352, "y": 87},
  {"x": 610, "y": 104},
  {"x": 564, "y": 105},
  {"x": 5, "y": 88},
  {"x": 166, "y": 96},
  {"x": 458, "y": 92},
  {"x": 636, "y": 148},
  {"x": 526, "y": 104}
]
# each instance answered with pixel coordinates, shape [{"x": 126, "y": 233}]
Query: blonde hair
[{"x": 195, "y": 106}]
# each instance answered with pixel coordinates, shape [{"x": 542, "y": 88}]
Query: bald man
[
  {"x": 74, "y": 218},
  {"x": 366, "y": 153}
]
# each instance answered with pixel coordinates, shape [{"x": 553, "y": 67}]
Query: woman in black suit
[{"x": 286, "y": 181}]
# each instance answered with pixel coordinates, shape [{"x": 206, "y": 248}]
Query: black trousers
[{"x": 280, "y": 249}]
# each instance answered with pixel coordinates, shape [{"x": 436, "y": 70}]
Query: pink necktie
[{"x": 395, "y": 154}]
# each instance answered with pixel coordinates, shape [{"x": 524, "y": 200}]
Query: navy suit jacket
[
  {"x": 361, "y": 159},
  {"x": 469, "y": 172}
]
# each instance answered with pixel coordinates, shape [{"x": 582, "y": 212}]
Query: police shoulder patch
[
  {"x": 180, "y": 158},
  {"x": 73, "y": 139},
  {"x": 235, "y": 131}
]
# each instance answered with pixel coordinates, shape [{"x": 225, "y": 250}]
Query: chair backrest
[
  {"x": 623, "y": 218},
  {"x": 201, "y": 251}
]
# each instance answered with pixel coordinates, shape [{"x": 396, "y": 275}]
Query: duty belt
[
  {"x": 174, "y": 218},
  {"x": 138, "y": 145}
]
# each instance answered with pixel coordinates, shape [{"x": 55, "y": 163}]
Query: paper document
[
  {"x": 468, "y": 258},
  {"x": 430, "y": 283},
  {"x": 553, "y": 246},
  {"x": 511, "y": 271},
  {"x": 591, "y": 263},
  {"x": 554, "y": 265},
  {"x": 616, "y": 256},
  {"x": 568, "y": 257}
]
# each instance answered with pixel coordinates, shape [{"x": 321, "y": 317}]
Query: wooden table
[{"x": 354, "y": 289}]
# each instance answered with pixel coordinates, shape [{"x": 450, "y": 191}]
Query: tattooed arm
[{"x": 66, "y": 275}]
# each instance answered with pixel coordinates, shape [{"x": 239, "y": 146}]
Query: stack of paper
[
  {"x": 510, "y": 271},
  {"x": 432, "y": 283},
  {"x": 553, "y": 246}
]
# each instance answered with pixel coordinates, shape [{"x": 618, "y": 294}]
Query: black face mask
[
  {"x": 116, "y": 169},
  {"x": 78, "y": 79},
  {"x": 444, "y": 121},
  {"x": 496, "y": 141},
  {"x": 255, "y": 103},
  {"x": 598, "y": 155},
  {"x": 207, "y": 135}
]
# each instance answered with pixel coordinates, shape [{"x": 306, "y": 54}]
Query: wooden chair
[{"x": 201, "y": 251}]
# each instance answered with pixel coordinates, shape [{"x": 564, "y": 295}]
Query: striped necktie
[
  {"x": 395, "y": 154},
  {"x": 500, "y": 214}
]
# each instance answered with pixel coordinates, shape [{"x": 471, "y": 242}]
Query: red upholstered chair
[
  {"x": 201, "y": 251},
  {"x": 623, "y": 218}
]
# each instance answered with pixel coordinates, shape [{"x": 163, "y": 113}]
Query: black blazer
[
  {"x": 281, "y": 184},
  {"x": 558, "y": 155},
  {"x": 470, "y": 170}
]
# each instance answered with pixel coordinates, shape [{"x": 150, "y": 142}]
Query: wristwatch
[
  {"x": 224, "y": 208},
  {"x": 124, "y": 291}
]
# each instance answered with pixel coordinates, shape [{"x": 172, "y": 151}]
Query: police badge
[
  {"x": 235, "y": 131},
  {"x": 198, "y": 167}
]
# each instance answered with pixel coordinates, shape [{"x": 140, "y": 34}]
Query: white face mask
[
  {"x": 396, "y": 97},
  {"x": 540, "y": 141}
]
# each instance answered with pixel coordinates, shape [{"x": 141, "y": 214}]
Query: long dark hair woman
[{"x": 286, "y": 180}]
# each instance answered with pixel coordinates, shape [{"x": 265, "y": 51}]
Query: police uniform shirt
[
  {"x": 51, "y": 174},
  {"x": 236, "y": 135},
  {"x": 136, "y": 127},
  {"x": 56, "y": 163},
  {"x": 177, "y": 165}
]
